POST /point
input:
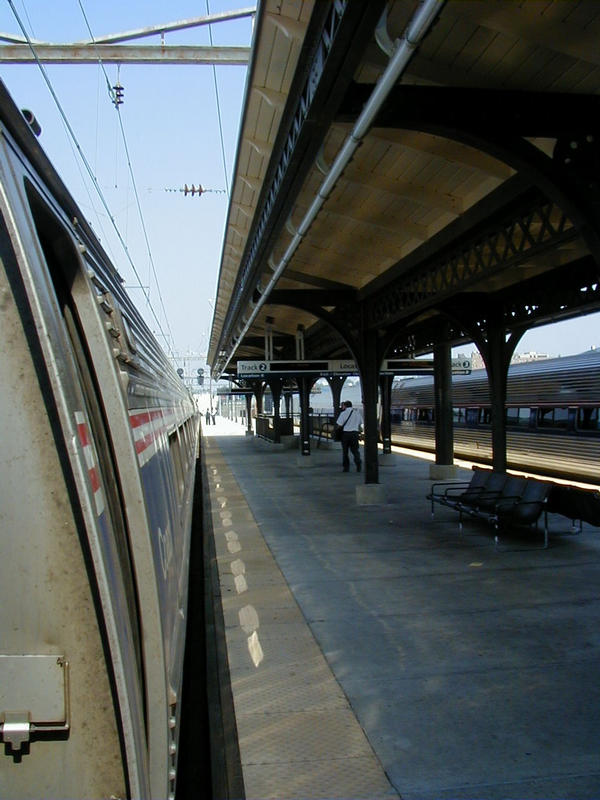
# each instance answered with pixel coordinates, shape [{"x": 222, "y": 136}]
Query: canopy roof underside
[{"x": 463, "y": 167}]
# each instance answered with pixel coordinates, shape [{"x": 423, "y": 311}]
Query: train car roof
[{"x": 586, "y": 360}]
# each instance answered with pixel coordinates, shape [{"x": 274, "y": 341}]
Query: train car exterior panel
[
  {"x": 111, "y": 487},
  {"x": 44, "y": 565},
  {"x": 548, "y": 455},
  {"x": 94, "y": 343}
]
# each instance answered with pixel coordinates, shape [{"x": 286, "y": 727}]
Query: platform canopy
[{"x": 411, "y": 170}]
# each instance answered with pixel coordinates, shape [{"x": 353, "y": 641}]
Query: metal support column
[
  {"x": 444, "y": 431},
  {"x": 258, "y": 391},
  {"x": 248, "y": 397},
  {"x": 336, "y": 382},
  {"x": 304, "y": 385},
  {"x": 276, "y": 385},
  {"x": 370, "y": 386},
  {"x": 497, "y": 367},
  {"x": 385, "y": 388},
  {"x": 269, "y": 339},
  {"x": 300, "y": 343}
]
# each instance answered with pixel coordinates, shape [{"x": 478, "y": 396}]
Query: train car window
[
  {"x": 588, "y": 419},
  {"x": 485, "y": 416},
  {"x": 512, "y": 416},
  {"x": 396, "y": 415},
  {"x": 544, "y": 419},
  {"x": 131, "y": 343},
  {"x": 187, "y": 440},
  {"x": 517, "y": 416},
  {"x": 472, "y": 416},
  {"x": 458, "y": 415},
  {"x": 175, "y": 451},
  {"x": 553, "y": 417},
  {"x": 561, "y": 417}
]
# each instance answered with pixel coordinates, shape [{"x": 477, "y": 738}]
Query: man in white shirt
[{"x": 351, "y": 420}]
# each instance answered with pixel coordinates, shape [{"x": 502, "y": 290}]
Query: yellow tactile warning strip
[{"x": 298, "y": 736}]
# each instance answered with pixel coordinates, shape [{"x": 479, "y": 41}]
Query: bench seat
[
  {"x": 451, "y": 493},
  {"x": 504, "y": 500}
]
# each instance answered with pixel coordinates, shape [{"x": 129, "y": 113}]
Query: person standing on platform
[
  {"x": 207, "y": 416},
  {"x": 350, "y": 420}
]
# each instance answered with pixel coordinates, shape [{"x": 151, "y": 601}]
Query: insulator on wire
[
  {"x": 192, "y": 190},
  {"x": 118, "y": 94}
]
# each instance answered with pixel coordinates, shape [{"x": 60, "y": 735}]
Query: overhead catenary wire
[
  {"x": 113, "y": 93},
  {"x": 28, "y": 17},
  {"x": 218, "y": 109},
  {"x": 91, "y": 174}
]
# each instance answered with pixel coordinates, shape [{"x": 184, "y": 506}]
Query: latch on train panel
[{"x": 34, "y": 698}]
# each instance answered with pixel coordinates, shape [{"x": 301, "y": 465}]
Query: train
[
  {"x": 99, "y": 446},
  {"x": 552, "y": 416}
]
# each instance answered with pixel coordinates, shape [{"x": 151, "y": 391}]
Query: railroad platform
[{"x": 375, "y": 652}]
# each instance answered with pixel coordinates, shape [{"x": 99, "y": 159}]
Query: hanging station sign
[
  {"x": 391, "y": 366},
  {"x": 258, "y": 369},
  {"x": 422, "y": 366}
]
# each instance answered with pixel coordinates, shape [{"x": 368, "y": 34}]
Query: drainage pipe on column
[{"x": 404, "y": 50}]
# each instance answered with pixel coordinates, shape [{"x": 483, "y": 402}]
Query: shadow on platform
[{"x": 375, "y": 651}]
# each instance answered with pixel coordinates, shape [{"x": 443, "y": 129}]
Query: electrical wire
[
  {"x": 27, "y": 15},
  {"x": 113, "y": 96},
  {"x": 89, "y": 168},
  {"x": 218, "y": 107}
]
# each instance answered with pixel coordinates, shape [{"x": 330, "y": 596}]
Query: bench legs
[{"x": 534, "y": 526}]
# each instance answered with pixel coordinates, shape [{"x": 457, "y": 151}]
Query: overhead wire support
[
  {"x": 18, "y": 50},
  {"x": 195, "y": 22}
]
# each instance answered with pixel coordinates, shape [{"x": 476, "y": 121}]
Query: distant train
[
  {"x": 98, "y": 450},
  {"x": 552, "y": 416}
]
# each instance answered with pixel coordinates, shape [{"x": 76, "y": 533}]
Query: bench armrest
[{"x": 454, "y": 484}]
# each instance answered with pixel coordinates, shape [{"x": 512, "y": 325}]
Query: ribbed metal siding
[
  {"x": 550, "y": 454},
  {"x": 568, "y": 381}
]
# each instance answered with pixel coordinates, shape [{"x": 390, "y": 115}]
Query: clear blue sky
[
  {"x": 172, "y": 130},
  {"x": 171, "y": 127}
]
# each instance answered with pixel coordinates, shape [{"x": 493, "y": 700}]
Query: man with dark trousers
[{"x": 351, "y": 420}]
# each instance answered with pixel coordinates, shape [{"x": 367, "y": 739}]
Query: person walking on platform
[{"x": 350, "y": 420}]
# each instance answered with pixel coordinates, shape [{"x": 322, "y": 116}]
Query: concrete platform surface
[{"x": 375, "y": 652}]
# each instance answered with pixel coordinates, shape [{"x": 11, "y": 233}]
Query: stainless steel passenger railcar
[
  {"x": 97, "y": 459},
  {"x": 552, "y": 416}
]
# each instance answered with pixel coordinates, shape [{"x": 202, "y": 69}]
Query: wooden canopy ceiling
[{"x": 474, "y": 187}]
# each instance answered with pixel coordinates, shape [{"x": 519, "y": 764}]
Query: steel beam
[
  {"x": 123, "y": 54},
  {"x": 441, "y": 110},
  {"x": 506, "y": 242},
  {"x": 167, "y": 27}
]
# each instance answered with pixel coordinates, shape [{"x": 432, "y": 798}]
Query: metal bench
[
  {"x": 450, "y": 493},
  {"x": 505, "y": 501},
  {"x": 578, "y": 505}
]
